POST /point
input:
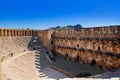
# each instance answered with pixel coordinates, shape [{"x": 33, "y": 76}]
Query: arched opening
[
  {"x": 98, "y": 48},
  {"x": 77, "y": 59},
  {"x": 101, "y": 67},
  {"x": 51, "y": 42},
  {"x": 33, "y": 48},
  {"x": 93, "y": 62},
  {"x": 66, "y": 55}
]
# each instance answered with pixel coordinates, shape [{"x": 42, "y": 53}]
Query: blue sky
[{"x": 42, "y": 14}]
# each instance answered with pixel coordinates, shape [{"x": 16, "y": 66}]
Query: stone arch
[
  {"x": 99, "y": 48},
  {"x": 93, "y": 62}
]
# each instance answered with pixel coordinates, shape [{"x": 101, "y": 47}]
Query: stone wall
[
  {"x": 46, "y": 37},
  {"x": 99, "y": 45}
]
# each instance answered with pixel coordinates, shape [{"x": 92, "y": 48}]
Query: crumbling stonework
[
  {"x": 46, "y": 37},
  {"x": 99, "y": 46}
]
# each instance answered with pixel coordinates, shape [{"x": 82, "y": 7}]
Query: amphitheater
[{"x": 60, "y": 54}]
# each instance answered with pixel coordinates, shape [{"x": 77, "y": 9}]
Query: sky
[{"x": 42, "y": 14}]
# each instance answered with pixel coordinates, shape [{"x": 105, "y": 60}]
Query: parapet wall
[
  {"x": 17, "y": 32},
  {"x": 97, "y": 32}
]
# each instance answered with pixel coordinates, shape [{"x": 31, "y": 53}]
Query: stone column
[
  {"x": 23, "y": 33},
  {"x": 33, "y": 32},
  {"x": 30, "y": 32},
  {"x": 9, "y": 32},
  {"x": 26, "y": 32},
  {"x": 18, "y": 32},
  {"x": 83, "y": 33},
  {"x": 14, "y": 32},
  {"x": 5, "y": 32},
  {"x": 0, "y": 32}
]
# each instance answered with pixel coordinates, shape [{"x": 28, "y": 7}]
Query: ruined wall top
[{"x": 94, "y": 32}]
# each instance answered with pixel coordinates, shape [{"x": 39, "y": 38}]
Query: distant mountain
[{"x": 77, "y": 26}]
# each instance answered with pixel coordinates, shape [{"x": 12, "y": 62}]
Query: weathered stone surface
[{"x": 97, "y": 46}]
